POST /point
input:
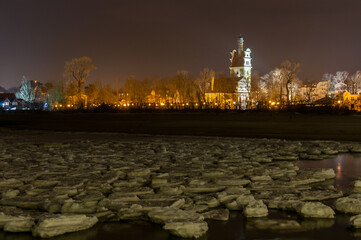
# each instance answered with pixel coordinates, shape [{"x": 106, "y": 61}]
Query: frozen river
[
  {"x": 347, "y": 168},
  {"x": 100, "y": 173}
]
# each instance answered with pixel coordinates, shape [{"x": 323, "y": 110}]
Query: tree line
[{"x": 281, "y": 85}]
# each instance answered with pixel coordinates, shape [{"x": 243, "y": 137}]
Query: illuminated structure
[
  {"x": 241, "y": 70},
  {"x": 241, "y": 67},
  {"x": 352, "y": 101}
]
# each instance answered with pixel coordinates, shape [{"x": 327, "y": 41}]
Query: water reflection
[
  {"x": 347, "y": 168},
  {"x": 318, "y": 223}
]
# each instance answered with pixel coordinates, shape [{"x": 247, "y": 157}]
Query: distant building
[
  {"x": 321, "y": 90},
  {"x": 352, "y": 101},
  {"x": 241, "y": 67},
  {"x": 8, "y": 101},
  {"x": 219, "y": 98}
]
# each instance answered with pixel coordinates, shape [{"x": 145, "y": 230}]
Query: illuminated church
[
  {"x": 241, "y": 67},
  {"x": 241, "y": 70}
]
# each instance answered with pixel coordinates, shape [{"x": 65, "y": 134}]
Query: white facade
[
  {"x": 321, "y": 90},
  {"x": 241, "y": 67}
]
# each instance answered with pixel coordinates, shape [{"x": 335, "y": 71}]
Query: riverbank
[{"x": 281, "y": 125}]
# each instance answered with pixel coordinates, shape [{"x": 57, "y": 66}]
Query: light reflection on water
[{"x": 347, "y": 169}]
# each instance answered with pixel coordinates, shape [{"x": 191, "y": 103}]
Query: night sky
[{"x": 157, "y": 38}]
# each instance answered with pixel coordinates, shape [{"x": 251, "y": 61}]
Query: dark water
[{"x": 347, "y": 168}]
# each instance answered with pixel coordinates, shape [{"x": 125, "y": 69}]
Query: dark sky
[{"x": 157, "y": 38}]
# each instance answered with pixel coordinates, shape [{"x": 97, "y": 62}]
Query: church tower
[
  {"x": 240, "y": 45},
  {"x": 247, "y": 68},
  {"x": 241, "y": 68}
]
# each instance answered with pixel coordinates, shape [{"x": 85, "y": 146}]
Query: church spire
[{"x": 240, "y": 45}]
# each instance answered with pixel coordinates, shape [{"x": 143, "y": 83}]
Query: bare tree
[
  {"x": 204, "y": 81},
  {"x": 79, "y": 69},
  {"x": 272, "y": 85},
  {"x": 339, "y": 81},
  {"x": 137, "y": 91},
  {"x": 92, "y": 93},
  {"x": 72, "y": 93},
  {"x": 27, "y": 91},
  {"x": 354, "y": 83},
  {"x": 289, "y": 72},
  {"x": 107, "y": 95},
  {"x": 328, "y": 77},
  {"x": 310, "y": 89},
  {"x": 255, "y": 91},
  {"x": 56, "y": 93},
  {"x": 186, "y": 87}
]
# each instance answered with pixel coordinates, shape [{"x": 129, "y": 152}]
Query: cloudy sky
[{"x": 157, "y": 38}]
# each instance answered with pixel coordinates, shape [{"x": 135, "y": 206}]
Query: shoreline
[{"x": 290, "y": 126}]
